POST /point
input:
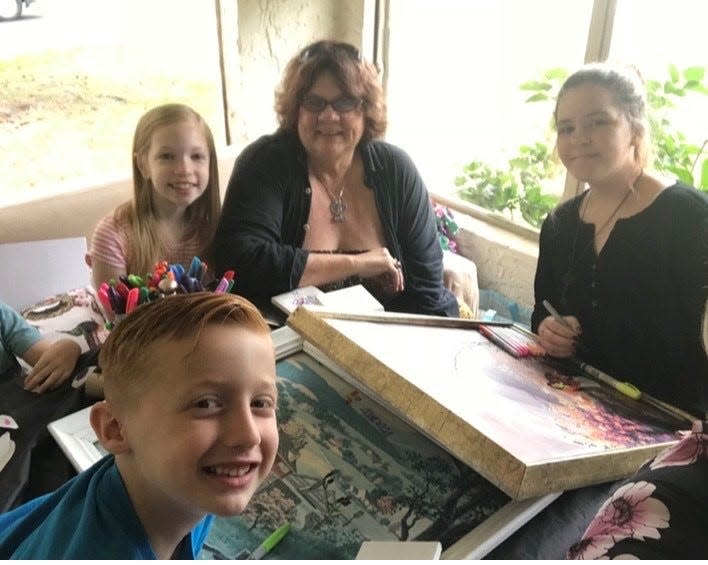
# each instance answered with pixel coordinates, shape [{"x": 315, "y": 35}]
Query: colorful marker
[
  {"x": 132, "y": 300},
  {"x": 123, "y": 289},
  {"x": 194, "y": 267},
  {"x": 134, "y": 281},
  {"x": 222, "y": 286},
  {"x": 510, "y": 349},
  {"x": 117, "y": 302},
  {"x": 103, "y": 297}
]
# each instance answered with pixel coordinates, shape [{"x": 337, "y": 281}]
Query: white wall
[
  {"x": 270, "y": 33},
  {"x": 505, "y": 262}
]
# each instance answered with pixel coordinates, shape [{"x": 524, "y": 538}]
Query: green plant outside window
[{"x": 523, "y": 186}]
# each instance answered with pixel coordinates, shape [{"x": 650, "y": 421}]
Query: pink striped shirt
[{"x": 111, "y": 240}]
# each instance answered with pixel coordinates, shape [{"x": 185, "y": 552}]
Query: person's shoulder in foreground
[
  {"x": 89, "y": 517},
  {"x": 189, "y": 422}
]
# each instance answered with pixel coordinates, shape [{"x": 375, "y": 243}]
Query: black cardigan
[{"x": 267, "y": 205}]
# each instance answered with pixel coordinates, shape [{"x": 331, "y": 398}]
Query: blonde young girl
[{"x": 176, "y": 201}]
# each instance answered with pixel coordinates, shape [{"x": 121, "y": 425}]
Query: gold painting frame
[{"x": 371, "y": 353}]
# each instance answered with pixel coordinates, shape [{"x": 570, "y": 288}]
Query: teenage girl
[{"x": 626, "y": 261}]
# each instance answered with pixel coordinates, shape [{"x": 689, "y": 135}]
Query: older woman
[{"x": 325, "y": 202}]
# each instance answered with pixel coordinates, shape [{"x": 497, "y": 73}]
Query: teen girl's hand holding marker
[
  {"x": 176, "y": 201},
  {"x": 625, "y": 262},
  {"x": 560, "y": 333}
]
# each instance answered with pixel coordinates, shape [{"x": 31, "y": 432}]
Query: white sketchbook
[
  {"x": 349, "y": 299},
  {"x": 7, "y": 448},
  {"x": 77, "y": 439}
]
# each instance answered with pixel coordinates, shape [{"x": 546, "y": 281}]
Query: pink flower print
[
  {"x": 692, "y": 447},
  {"x": 631, "y": 512},
  {"x": 591, "y": 548}
]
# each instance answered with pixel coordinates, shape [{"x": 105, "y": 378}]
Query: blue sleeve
[
  {"x": 17, "y": 524},
  {"x": 16, "y": 334}
]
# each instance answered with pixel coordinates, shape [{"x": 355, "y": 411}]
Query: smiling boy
[{"x": 189, "y": 420}]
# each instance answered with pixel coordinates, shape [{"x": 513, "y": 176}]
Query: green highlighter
[
  {"x": 270, "y": 542},
  {"x": 628, "y": 389}
]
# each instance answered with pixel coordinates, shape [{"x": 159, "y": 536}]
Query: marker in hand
[
  {"x": 557, "y": 317},
  {"x": 628, "y": 389}
]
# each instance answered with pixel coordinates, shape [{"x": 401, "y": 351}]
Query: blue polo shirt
[{"x": 90, "y": 517}]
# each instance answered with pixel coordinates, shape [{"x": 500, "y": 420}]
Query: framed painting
[
  {"x": 348, "y": 470},
  {"x": 523, "y": 424}
]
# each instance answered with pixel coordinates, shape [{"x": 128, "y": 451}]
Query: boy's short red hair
[{"x": 126, "y": 356}]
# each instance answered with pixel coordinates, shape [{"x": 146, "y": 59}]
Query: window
[
  {"x": 455, "y": 68},
  {"x": 671, "y": 33},
  {"x": 453, "y": 88},
  {"x": 76, "y": 76}
]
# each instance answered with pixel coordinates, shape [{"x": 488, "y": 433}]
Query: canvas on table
[{"x": 521, "y": 424}]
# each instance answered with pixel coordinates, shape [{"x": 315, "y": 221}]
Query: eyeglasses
[
  {"x": 323, "y": 47},
  {"x": 341, "y": 105}
]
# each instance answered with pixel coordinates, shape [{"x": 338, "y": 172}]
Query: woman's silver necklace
[{"x": 337, "y": 207}]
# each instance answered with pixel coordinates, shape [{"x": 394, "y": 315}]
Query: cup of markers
[{"x": 121, "y": 297}]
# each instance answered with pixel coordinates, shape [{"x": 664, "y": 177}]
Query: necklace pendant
[{"x": 337, "y": 208}]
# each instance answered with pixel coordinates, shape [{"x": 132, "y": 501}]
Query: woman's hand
[
  {"x": 557, "y": 339},
  {"x": 376, "y": 265},
  {"x": 379, "y": 266},
  {"x": 55, "y": 364}
]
